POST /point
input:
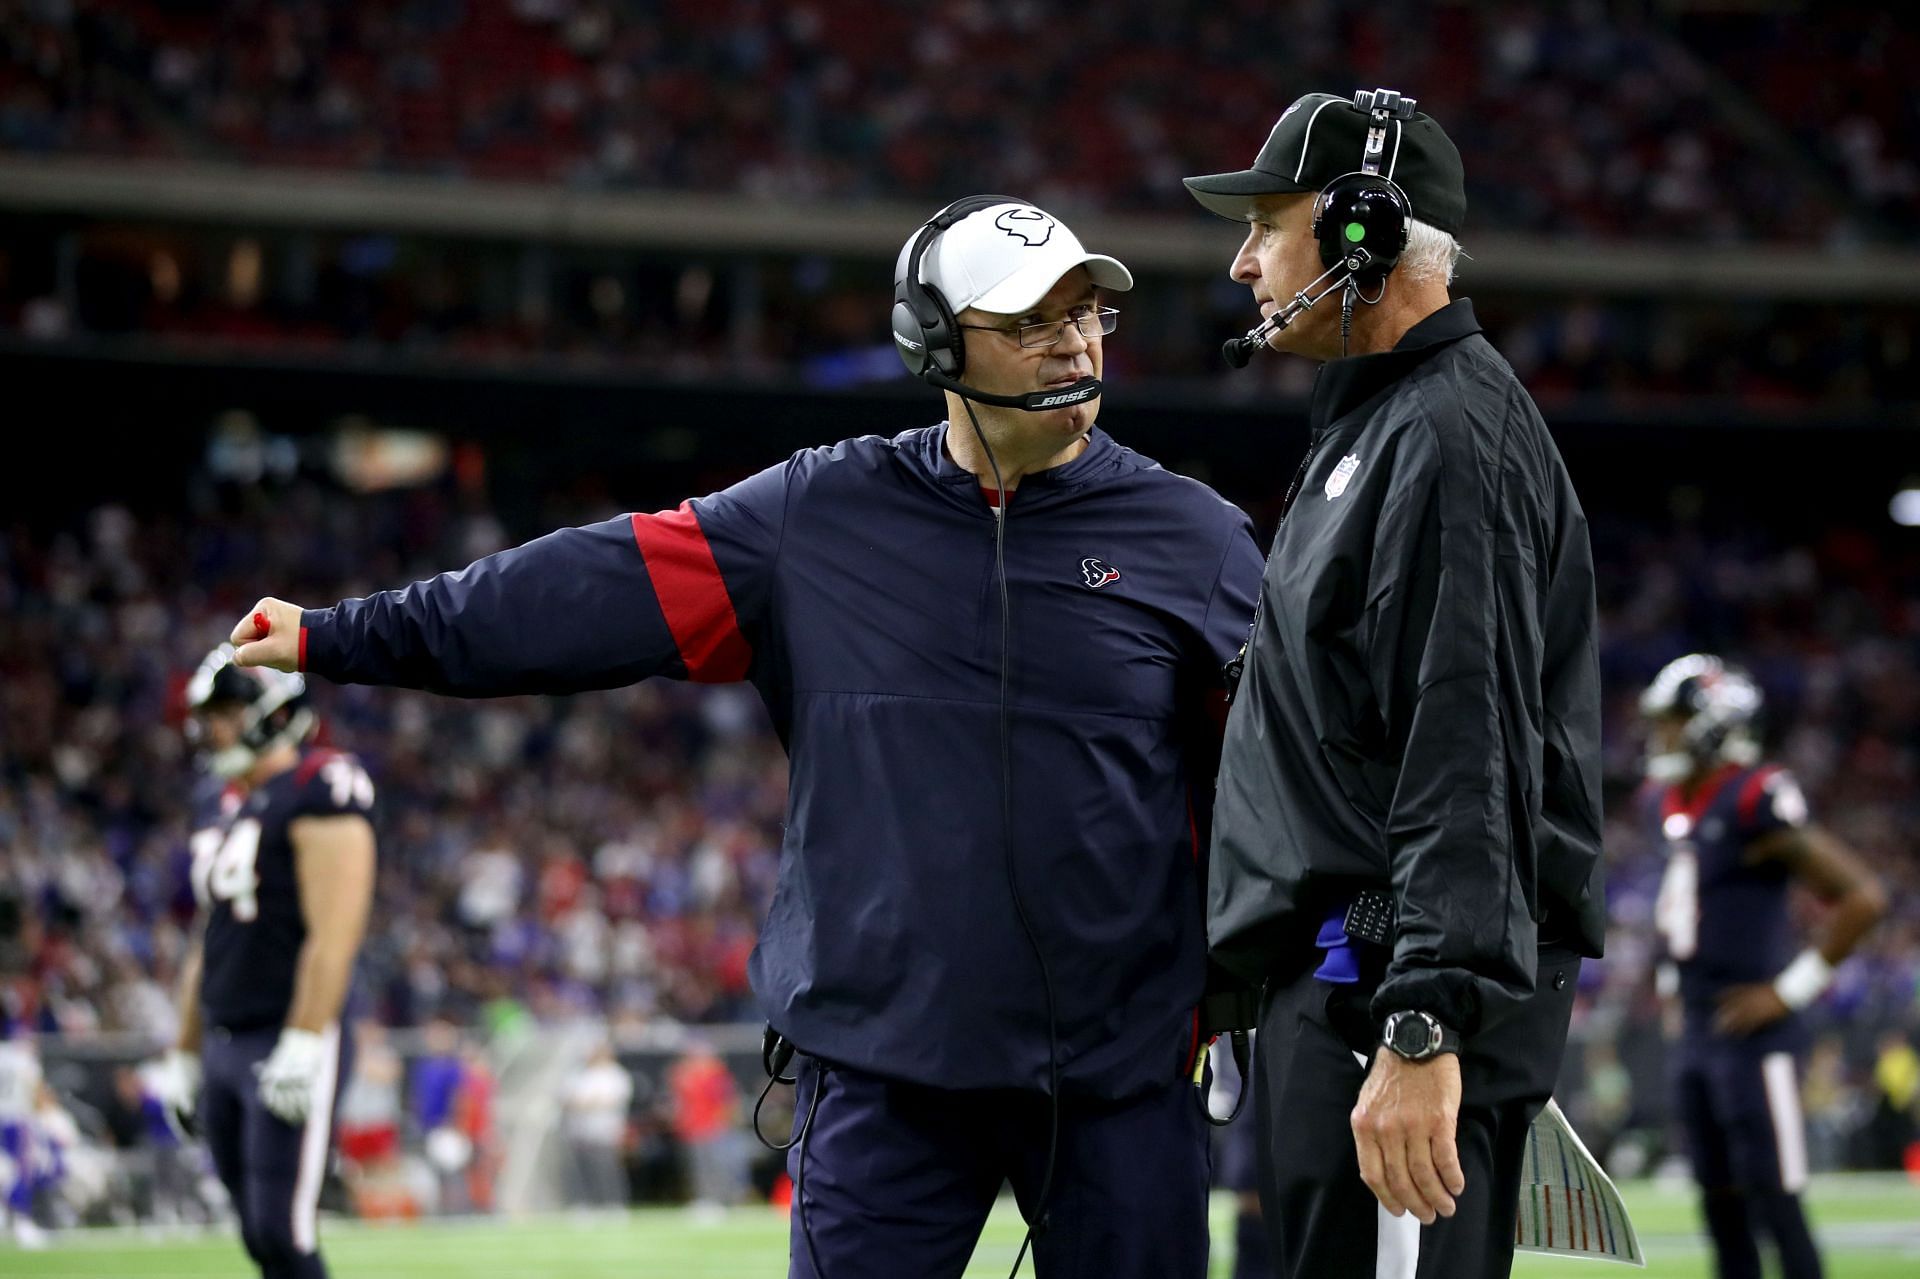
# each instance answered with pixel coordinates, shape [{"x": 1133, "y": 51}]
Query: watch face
[{"x": 1410, "y": 1035}]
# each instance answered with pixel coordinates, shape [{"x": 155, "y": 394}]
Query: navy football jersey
[
  {"x": 245, "y": 882},
  {"x": 1725, "y": 920}
]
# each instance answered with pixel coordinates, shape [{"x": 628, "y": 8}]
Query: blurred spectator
[
  {"x": 1895, "y": 1124},
  {"x": 653, "y": 1160},
  {"x": 368, "y": 1127},
  {"x": 433, "y": 1097},
  {"x": 596, "y": 1128},
  {"x": 707, "y": 1120},
  {"x": 23, "y": 1161},
  {"x": 161, "y": 1180},
  {"x": 72, "y": 1170},
  {"x": 473, "y": 1120},
  {"x": 1829, "y": 1104}
]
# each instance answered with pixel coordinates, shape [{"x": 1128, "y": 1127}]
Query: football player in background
[
  {"x": 1738, "y": 836},
  {"x": 283, "y": 871}
]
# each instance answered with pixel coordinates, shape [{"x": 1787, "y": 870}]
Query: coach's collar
[{"x": 1344, "y": 385}]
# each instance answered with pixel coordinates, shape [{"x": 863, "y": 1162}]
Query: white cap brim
[{"x": 1020, "y": 292}]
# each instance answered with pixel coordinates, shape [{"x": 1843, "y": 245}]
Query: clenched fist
[{"x": 269, "y": 635}]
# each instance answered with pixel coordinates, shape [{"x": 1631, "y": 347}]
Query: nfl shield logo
[{"x": 1337, "y": 482}]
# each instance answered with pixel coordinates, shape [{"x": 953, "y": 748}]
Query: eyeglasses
[{"x": 1088, "y": 320}]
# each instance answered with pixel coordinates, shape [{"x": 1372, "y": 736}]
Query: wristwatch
[{"x": 1418, "y": 1036}]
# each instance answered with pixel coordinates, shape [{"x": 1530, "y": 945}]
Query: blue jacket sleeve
[
  {"x": 678, "y": 593},
  {"x": 1229, "y": 618}
]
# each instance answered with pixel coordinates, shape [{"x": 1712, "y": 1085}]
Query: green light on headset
[{"x": 1355, "y": 233}]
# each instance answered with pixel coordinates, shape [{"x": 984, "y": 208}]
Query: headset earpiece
[
  {"x": 925, "y": 332},
  {"x": 1361, "y": 210}
]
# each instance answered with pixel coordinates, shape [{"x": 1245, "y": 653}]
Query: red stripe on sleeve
[
  {"x": 313, "y": 763},
  {"x": 1749, "y": 802},
  {"x": 693, "y": 596},
  {"x": 300, "y": 663},
  {"x": 1193, "y": 1049}
]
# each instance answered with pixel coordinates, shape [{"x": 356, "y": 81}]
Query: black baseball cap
[{"x": 1320, "y": 137}]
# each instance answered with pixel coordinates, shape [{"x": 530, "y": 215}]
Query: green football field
[{"x": 1869, "y": 1227}]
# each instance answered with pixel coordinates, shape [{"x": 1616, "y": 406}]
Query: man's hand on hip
[
  {"x": 1745, "y": 1009},
  {"x": 1403, "y": 1129},
  {"x": 269, "y": 635}
]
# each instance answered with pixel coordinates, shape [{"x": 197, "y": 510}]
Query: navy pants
[
  {"x": 1321, "y": 1219},
  {"x": 897, "y": 1179},
  {"x": 1739, "y": 1104},
  {"x": 272, "y": 1169}
]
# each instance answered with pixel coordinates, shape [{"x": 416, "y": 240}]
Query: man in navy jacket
[{"x": 993, "y": 693}]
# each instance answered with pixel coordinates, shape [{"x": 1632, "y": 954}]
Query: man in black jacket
[{"x": 1406, "y": 847}]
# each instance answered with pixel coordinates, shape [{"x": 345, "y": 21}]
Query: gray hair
[{"x": 1431, "y": 254}]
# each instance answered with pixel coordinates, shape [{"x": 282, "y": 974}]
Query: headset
[
  {"x": 927, "y": 335},
  {"x": 1365, "y": 208},
  {"x": 1362, "y": 221}
]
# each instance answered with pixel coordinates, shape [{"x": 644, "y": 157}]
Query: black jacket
[{"x": 1420, "y": 708}]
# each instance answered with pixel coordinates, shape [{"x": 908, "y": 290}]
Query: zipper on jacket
[{"x": 986, "y": 641}]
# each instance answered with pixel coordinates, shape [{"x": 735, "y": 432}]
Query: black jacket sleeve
[{"x": 1455, "y": 638}]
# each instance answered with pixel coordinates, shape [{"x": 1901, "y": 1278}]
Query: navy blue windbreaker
[{"x": 854, "y": 586}]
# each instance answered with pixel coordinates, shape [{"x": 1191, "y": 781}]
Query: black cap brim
[{"x": 1231, "y": 195}]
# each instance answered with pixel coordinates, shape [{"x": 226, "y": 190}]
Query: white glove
[
  {"x": 287, "y": 1075},
  {"x": 174, "y": 1081}
]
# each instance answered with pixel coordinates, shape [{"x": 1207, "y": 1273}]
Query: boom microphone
[
  {"x": 1033, "y": 401},
  {"x": 1237, "y": 351}
]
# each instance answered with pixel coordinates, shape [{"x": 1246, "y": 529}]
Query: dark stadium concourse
[{"x": 625, "y": 441}]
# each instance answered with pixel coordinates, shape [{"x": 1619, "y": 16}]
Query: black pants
[
  {"x": 1321, "y": 1218},
  {"x": 272, "y": 1169}
]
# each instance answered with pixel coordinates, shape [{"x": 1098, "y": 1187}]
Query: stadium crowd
[
  {"x": 612, "y": 852},
  {"x": 1585, "y": 119}
]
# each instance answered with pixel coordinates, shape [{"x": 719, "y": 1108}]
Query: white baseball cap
[{"x": 1004, "y": 258}]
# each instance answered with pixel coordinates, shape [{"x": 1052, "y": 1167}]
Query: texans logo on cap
[{"x": 1030, "y": 226}]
